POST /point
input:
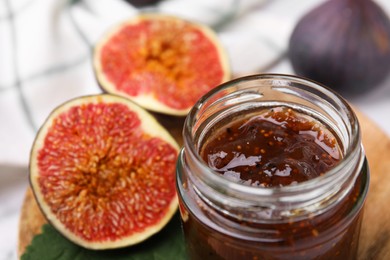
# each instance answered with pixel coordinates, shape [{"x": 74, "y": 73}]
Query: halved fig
[
  {"x": 102, "y": 170},
  {"x": 163, "y": 63}
]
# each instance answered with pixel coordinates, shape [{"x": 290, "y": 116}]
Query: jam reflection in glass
[{"x": 272, "y": 182}]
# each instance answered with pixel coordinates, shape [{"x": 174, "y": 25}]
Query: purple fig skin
[
  {"x": 344, "y": 44},
  {"x": 141, "y": 3}
]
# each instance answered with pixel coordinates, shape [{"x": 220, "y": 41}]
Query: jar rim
[{"x": 353, "y": 150}]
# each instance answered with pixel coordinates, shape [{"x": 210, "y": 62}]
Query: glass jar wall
[{"x": 225, "y": 218}]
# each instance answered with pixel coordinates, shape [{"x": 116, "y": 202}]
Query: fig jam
[
  {"x": 272, "y": 168},
  {"x": 276, "y": 147}
]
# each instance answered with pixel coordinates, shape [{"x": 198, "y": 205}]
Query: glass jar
[{"x": 315, "y": 219}]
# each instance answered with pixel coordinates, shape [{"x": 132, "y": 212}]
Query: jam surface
[{"x": 277, "y": 147}]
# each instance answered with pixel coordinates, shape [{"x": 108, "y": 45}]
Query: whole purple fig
[{"x": 344, "y": 44}]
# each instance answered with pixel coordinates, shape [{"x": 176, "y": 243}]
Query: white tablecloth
[{"x": 45, "y": 51}]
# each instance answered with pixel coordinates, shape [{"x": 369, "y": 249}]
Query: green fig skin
[{"x": 344, "y": 44}]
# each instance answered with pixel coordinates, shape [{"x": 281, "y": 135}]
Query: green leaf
[{"x": 167, "y": 244}]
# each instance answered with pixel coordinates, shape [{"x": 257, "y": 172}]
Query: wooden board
[{"x": 375, "y": 234}]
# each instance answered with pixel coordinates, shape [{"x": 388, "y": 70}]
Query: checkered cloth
[{"x": 45, "y": 50}]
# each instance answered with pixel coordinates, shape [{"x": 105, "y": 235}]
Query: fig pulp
[
  {"x": 344, "y": 44},
  {"x": 163, "y": 63},
  {"x": 103, "y": 172}
]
